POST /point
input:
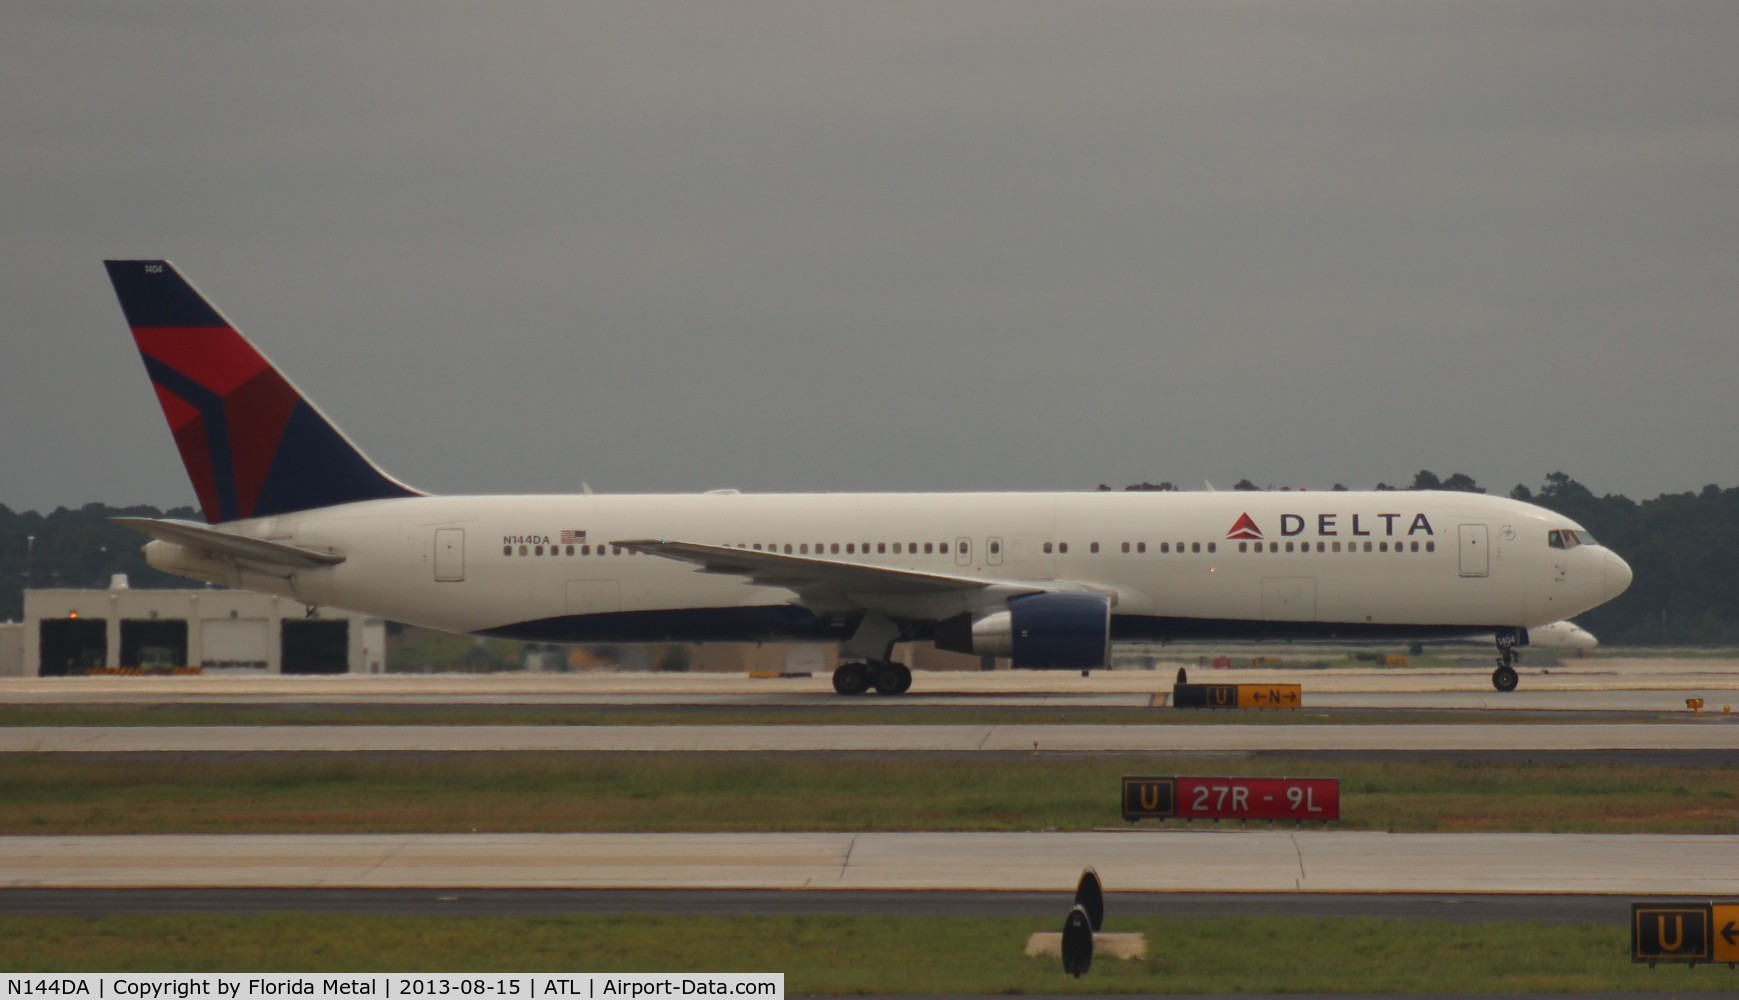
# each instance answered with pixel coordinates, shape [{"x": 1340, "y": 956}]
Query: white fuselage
[{"x": 1328, "y": 563}]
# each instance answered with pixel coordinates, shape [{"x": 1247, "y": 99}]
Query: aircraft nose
[{"x": 1617, "y": 575}]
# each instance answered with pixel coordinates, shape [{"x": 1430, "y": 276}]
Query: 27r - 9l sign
[{"x": 1314, "y": 800}]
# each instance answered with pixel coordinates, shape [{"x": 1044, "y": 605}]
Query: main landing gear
[{"x": 885, "y": 677}]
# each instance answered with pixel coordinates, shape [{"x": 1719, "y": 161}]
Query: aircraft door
[
  {"x": 1475, "y": 550},
  {"x": 449, "y": 555}
]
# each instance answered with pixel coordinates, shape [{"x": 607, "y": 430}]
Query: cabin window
[
  {"x": 881, "y": 548},
  {"x": 962, "y": 546},
  {"x": 1063, "y": 547},
  {"x": 851, "y": 548},
  {"x": 996, "y": 546},
  {"x": 1165, "y": 546},
  {"x": 1337, "y": 546},
  {"x": 1243, "y": 546},
  {"x": 912, "y": 548},
  {"x": 507, "y": 550},
  {"x": 1093, "y": 548},
  {"x": 929, "y": 548},
  {"x": 1212, "y": 547},
  {"x": 1140, "y": 548},
  {"x": 1125, "y": 546},
  {"x": 1047, "y": 548},
  {"x": 1195, "y": 546},
  {"x": 1431, "y": 546},
  {"x": 523, "y": 550}
]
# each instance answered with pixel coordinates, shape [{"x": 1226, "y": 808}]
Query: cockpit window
[{"x": 1567, "y": 539}]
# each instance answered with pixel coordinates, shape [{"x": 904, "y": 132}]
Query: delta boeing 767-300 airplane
[{"x": 1049, "y": 580}]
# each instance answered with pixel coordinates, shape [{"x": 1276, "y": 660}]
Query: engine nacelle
[{"x": 1037, "y": 632}]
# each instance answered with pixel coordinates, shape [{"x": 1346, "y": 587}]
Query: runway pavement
[
  {"x": 1612, "y": 685},
  {"x": 1121, "y": 906},
  {"x": 1290, "y": 863},
  {"x": 1711, "y": 733},
  {"x": 1140, "y": 860}
]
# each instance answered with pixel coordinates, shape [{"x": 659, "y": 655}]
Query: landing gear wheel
[
  {"x": 851, "y": 678},
  {"x": 892, "y": 678},
  {"x": 1504, "y": 678}
]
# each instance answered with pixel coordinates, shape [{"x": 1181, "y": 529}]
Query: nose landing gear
[{"x": 1504, "y": 677}]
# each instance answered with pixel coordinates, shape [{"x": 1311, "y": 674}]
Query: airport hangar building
[{"x": 122, "y": 630}]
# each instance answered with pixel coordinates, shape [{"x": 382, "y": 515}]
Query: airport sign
[
  {"x": 1686, "y": 933},
  {"x": 1315, "y": 800},
  {"x": 1724, "y": 930},
  {"x": 1228, "y": 696}
]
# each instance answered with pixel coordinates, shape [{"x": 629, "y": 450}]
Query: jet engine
[{"x": 1036, "y": 631}]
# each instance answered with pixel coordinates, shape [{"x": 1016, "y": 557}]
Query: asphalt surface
[
  {"x": 1313, "y": 875},
  {"x": 1713, "y": 734},
  {"x": 1596, "y": 909}
]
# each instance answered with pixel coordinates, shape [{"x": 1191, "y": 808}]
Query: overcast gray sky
[{"x": 885, "y": 246}]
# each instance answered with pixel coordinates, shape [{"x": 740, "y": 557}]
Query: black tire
[
  {"x": 892, "y": 678},
  {"x": 1505, "y": 679},
  {"x": 851, "y": 678}
]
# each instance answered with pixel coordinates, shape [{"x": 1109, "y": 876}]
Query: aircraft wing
[
  {"x": 226, "y": 543},
  {"x": 830, "y": 584}
]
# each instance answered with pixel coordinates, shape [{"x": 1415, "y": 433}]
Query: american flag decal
[{"x": 573, "y": 537}]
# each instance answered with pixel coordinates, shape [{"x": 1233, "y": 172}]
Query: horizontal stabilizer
[{"x": 225, "y": 543}]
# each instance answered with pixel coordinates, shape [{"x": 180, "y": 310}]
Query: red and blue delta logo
[{"x": 1245, "y": 528}]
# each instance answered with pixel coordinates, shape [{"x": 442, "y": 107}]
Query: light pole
[{"x": 29, "y": 560}]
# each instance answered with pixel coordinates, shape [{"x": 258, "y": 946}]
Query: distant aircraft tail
[{"x": 252, "y": 444}]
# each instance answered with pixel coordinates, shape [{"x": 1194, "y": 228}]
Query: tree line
[{"x": 1683, "y": 548}]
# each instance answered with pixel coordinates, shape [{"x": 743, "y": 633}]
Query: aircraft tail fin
[{"x": 253, "y": 445}]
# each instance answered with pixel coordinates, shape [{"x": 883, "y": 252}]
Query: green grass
[
  {"x": 542, "y": 792},
  {"x": 848, "y": 955}
]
